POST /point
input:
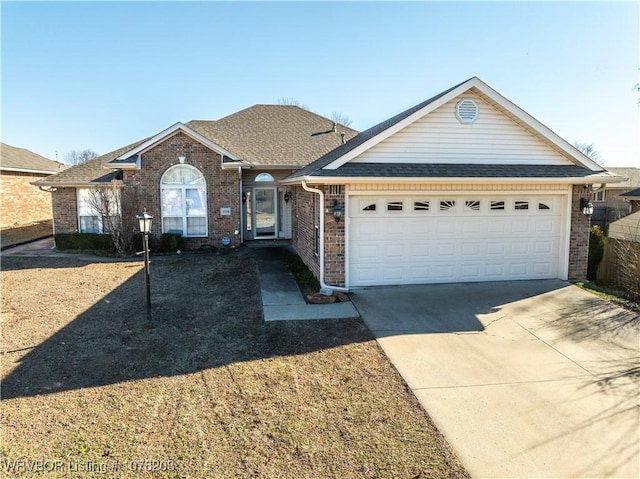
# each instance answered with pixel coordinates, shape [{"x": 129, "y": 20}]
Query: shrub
[
  {"x": 596, "y": 250},
  {"x": 302, "y": 274},
  {"x": 85, "y": 241},
  {"x": 170, "y": 243}
]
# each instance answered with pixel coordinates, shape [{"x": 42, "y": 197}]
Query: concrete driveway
[{"x": 525, "y": 379}]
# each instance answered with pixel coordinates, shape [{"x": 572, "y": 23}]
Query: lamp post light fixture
[
  {"x": 337, "y": 210},
  {"x": 144, "y": 222},
  {"x": 586, "y": 207}
]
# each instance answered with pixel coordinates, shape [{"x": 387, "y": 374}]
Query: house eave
[
  {"x": 341, "y": 180},
  {"x": 26, "y": 170},
  {"x": 79, "y": 184}
]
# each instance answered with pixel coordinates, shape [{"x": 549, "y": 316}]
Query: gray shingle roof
[
  {"x": 446, "y": 170},
  {"x": 92, "y": 172},
  {"x": 21, "y": 159},
  {"x": 634, "y": 194},
  {"x": 274, "y": 135},
  {"x": 366, "y": 135}
]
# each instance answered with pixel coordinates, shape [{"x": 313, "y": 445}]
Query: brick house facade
[
  {"x": 275, "y": 172},
  {"x": 25, "y": 210}
]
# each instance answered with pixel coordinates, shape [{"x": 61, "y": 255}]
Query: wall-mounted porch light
[
  {"x": 586, "y": 207},
  {"x": 287, "y": 196},
  {"x": 337, "y": 210}
]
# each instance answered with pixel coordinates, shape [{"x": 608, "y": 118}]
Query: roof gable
[
  {"x": 439, "y": 137},
  {"x": 129, "y": 157},
  {"x": 375, "y": 135}
]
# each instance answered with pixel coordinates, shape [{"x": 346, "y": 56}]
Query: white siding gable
[{"x": 438, "y": 137}]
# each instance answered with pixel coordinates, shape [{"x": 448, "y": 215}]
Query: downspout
[
  {"x": 322, "y": 283},
  {"x": 241, "y": 206}
]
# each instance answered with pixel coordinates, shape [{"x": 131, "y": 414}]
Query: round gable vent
[{"x": 467, "y": 110}]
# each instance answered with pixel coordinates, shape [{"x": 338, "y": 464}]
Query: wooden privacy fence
[{"x": 620, "y": 266}]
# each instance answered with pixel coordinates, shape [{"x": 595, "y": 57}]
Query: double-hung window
[
  {"x": 184, "y": 201},
  {"x": 97, "y": 209}
]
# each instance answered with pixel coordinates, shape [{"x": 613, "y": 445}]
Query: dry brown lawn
[{"x": 208, "y": 390}]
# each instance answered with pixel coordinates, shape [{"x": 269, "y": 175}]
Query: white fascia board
[
  {"x": 108, "y": 184},
  {"x": 383, "y": 135},
  {"x": 26, "y": 170},
  {"x": 234, "y": 165},
  {"x": 170, "y": 131},
  {"x": 324, "y": 180},
  {"x": 577, "y": 156}
]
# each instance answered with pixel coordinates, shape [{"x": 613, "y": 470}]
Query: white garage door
[{"x": 444, "y": 239}]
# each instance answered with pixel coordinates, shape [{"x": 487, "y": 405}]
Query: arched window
[
  {"x": 184, "y": 201},
  {"x": 264, "y": 177}
]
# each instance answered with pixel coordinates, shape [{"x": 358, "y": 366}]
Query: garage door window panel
[
  {"x": 472, "y": 205},
  {"x": 367, "y": 206},
  {"x": 497, "y": 205},
  {"x": 421, "y": 206},
  {"x": 521, "y": 205},
  {"x": 448, "y": 205},
  {"x": 395, "y": 205}
]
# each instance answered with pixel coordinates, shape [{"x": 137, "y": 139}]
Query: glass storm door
[{"x": 264, "y": 211}]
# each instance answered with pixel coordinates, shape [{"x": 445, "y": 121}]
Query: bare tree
[
  {"x": 340, "y": 118},
  {"x": 117, "y": 207},
  {"x": 75, "y": 157},
  {"x": 589, "y": 150},
  {"x": 291, "y": 102}
]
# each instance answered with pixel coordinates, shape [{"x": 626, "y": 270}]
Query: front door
[{"x": 264, "y": 212}]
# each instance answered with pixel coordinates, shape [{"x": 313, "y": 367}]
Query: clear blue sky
[{"x": 101, "y": 75}]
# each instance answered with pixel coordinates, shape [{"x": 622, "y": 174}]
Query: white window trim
[
  {"x": 97, "y": 215},
  {"x": 598, "y": 193},
  {"x": 183, "y": 191}
]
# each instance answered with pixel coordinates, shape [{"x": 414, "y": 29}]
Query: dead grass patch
[{"x": 207, "y": 391}]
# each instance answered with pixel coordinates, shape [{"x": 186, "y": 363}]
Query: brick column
[
  {"x": 334, "y": 237},
  {"x": 579, "y": 236}
]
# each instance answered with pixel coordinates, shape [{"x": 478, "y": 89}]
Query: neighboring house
[
  {"x": 627, "y": 228},
  {"x": 465, "y": 186},
  {"x": 608, "y": 201},
  {"x": 633, "y": 197},
  {"x": 25, "y": 210}
]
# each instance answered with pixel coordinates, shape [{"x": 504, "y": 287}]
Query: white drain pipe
[{"x": 322, "y": 283}]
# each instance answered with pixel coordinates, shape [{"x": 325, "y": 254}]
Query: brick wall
[
  {"x": 306, "y": 215},
  {"x": 222, "y": 187},
  {"x": 22, "y": 203},
  {"x": 334, "y": 237},
  {"x": 303, "y": 227},
  {"x": 578, "y": 238},
  {"x": 65, "y": 212}
]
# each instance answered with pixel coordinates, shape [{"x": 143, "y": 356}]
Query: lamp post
[{"x": 144, "y": 221}]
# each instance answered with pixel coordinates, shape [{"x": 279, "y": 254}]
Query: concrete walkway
[
  {"x": 281, "y": 297},
  {"x": 524, "y": 378}
]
